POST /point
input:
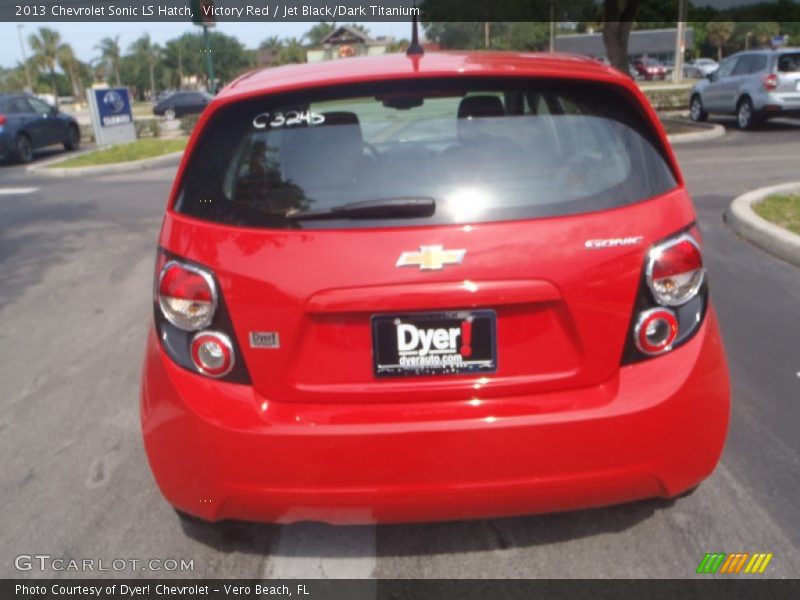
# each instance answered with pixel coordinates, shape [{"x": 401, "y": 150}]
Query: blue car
[{"x": 28, "y": 124}]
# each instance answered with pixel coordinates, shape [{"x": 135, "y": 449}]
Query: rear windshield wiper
[{"x": 384, "y": 208}]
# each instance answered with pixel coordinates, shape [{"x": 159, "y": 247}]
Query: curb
[
  {"x": 136, "y": 165},
  {"x": 711, "y": 132},
  {"x": 776, "y": 240}
]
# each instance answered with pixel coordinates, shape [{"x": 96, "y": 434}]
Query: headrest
[
  {"x": 328, "y": 154},
  {"x": 480, "y": 106}
]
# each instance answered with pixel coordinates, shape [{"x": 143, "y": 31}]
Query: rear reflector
[
  {"x": 656, "y": 331},
  {"x": 212, "y": 353},
  {"x": 187, "y": 296},
  {"x": 675, "y": 270}
]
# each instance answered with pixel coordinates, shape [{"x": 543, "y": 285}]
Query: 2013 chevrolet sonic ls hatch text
[{"x": 428, "y": 287}]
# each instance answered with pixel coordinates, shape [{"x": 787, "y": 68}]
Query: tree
[
  {"x": 145, "y": 53},
  {"x": 13, "y": 80},
  {"x": 618, "y": 22},
  {"x": 183, "y": 58},
  {"x": 175, "y": 52},
  {"x": 754, "y": 34},
  {"x": 291, "y": 51},
  {"x": 317, "y": 33},
  {"x": 111, "y": 54},
  {"x": 45, "y": 46},
  {"x": 70, "y": 65},
  {"x": 230, "y": 57},
  {"x": 718, "y": 34}
]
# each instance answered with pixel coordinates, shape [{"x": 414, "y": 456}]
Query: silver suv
[{"x": 753, "y": 85}]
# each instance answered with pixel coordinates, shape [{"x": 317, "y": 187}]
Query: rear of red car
[{"x": 436, "y": 288}]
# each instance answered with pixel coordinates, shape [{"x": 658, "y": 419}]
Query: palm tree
[
  {"x": 110, "y": 54},
  {"x": 45, "y": 46},
  {"x": 317, "y": 33},
  {"x": 146, "y": 52},
  {"x": 69, "y": 64},
  {"x": 719, "y": 32},
  {"x": 269, "y": 49},
  {"x": 291, "y": 51}
]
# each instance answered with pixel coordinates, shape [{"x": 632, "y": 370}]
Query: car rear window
[
  {"x": 789, "y": 63},
  {"x": 483, "y": 150}
]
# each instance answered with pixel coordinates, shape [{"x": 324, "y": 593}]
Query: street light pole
[
  {"x": 680, "y": 42},
  {"x": 24, "y": 58},
  {"x": 209, "y": 60}
]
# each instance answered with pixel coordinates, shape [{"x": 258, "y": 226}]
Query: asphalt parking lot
[{"x": 76, "y": 260}]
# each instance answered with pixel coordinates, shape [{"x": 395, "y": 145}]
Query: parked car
[
  {"x": 27, "y": 124},
  {"x": 390, "y": 290},
  {"x": 650, "y": 69},
  {"x": 753, "y": 85},
  {"x": 700, "y": 68},
  {"x": 182, "y": 103}
]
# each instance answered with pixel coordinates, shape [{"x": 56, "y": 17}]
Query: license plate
[
  {"x": 798, "y": 86},
  {"x": 440, "y": 343}
]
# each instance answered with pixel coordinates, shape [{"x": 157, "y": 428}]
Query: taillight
[
  {"x": 672, "y": 298},
  {"x": 2, "y": 119},
  {"x": 192, "y": 321},
  {"x": 212, "y": 353},
  {"x": 770, "y": 82},
  {"x": 656, "y": 331},
  {"x": 187, "y": 296},
  {"x": 675, "y": 270}
]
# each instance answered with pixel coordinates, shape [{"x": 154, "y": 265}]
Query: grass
[
  {"x": 138, "y": 150},
  {"x": 782, "y": 210}
]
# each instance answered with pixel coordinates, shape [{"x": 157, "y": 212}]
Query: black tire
[
  {"x": 746, "y": 116},
  {"x": 73, "y": 141},
  {"x": 696, "y": 111},
  {"x": 23, "y": 148}
]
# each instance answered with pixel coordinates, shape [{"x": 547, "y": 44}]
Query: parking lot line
[
  {"x": 18, "y": 191},
  {"x": 318, "y": 551}
]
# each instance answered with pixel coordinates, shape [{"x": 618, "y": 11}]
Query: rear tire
[
  {"x": 696, "y": 111},
  {"x": 73, "y": 140},
  {"x": 745, "y": 114},
  {"x": 23, "y": 148}
]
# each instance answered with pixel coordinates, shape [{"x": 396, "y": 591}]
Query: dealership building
[{"x": 650, "y": 43}]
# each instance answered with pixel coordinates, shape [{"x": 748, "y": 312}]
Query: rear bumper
[
  {"x": 222, "y": 451},
  {"x": 779, "y": 104}
]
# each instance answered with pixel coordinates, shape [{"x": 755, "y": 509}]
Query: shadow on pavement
[{"x": 444, "y": 537}]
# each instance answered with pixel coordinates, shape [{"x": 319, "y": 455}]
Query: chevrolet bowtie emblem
[{"x": 430, "y": 258}]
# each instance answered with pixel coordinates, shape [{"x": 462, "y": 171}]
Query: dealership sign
[
  {"x": 114, "y": 107},
  {"x": 112, "y": 117}
]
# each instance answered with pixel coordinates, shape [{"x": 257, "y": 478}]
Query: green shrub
[
  {"x": 147, "y": 128},
  {"x": 155, "y": 128},
  {"x": 187, "y": 123},
  {"x": 668, "y": 99}
]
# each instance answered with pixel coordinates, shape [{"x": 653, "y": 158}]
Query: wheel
[
  {"x": 73, "y": 140},
  {"x": 169, "y": 114},
  {"x": 745, "y": 115},
  {"x": 23, "y": 148},
  {"x": 696, "y": 112}
]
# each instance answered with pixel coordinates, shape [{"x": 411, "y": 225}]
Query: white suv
[{"x": 752, "y": 85}]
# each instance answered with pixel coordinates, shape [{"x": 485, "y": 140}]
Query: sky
[{"x": 83, "y": 37}]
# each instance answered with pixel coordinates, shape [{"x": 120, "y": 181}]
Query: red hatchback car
[{"x": 430, "y": 287}]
